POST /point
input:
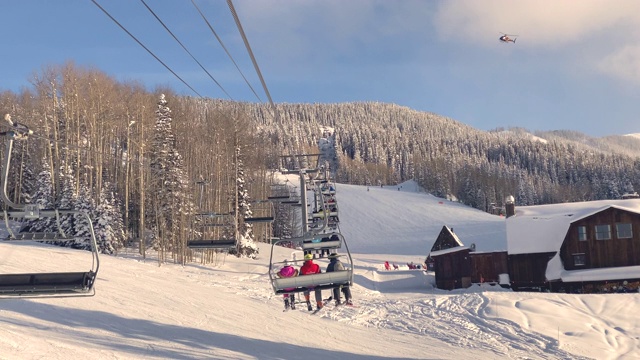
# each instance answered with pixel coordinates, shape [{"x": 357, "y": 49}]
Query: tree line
[
  {"x": 145, "y": 162},
  {"x": 138, "y": 153}
]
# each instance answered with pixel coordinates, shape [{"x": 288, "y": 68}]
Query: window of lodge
[
  {"x": 582, "y": 233},
  {"x": 579, "y": 259},
  {"x": 624, "y": 231},
  {"x": 603, "y": 232}
]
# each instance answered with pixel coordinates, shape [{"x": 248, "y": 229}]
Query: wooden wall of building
[
  {"x": 527, "y": 271},
  {"x": 486, "y": 267},
  {"x": 453, "y": 270},
  {"x": 613, "y": 252}
]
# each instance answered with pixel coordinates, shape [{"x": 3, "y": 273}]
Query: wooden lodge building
[
  {"x": 458, "y": 266},
  {"x": 589, "y": 246}
]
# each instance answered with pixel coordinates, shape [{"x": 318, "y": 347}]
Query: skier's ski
[{"x": 324, "y": 304}]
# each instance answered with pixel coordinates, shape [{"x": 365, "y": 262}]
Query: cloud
[
  {"x": 297, "y": 35},
  {"x": 623, "y": 64},
  {"x": 539, "y": 23},
  {"x": 599, "y": 34}
]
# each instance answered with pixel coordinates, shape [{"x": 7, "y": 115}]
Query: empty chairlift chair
[
  {"x": 206, "y": 221},
  {"x": 42, "y": 284},
  {"x": 264, "y": 207}
]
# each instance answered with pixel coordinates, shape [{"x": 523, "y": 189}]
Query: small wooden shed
[{"x": 452, "y": 267}]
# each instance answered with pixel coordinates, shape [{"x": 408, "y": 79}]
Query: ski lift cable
[
  {"x": 149, "y": 51},
  {"x": 185, "y": 49},
  {"x": 225, "y": 49},
  {"x": 253, "y": 58}
]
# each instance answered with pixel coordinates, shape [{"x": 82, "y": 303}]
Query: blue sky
[{"x": 575, "y": 65}]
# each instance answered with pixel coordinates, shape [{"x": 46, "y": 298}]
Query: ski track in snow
[{"x": 462, "y": 320}]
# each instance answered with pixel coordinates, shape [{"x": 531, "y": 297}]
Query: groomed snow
[{"x": 227, "y": 310}]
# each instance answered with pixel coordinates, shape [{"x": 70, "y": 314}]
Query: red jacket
[{"x": 309, "y": 267}]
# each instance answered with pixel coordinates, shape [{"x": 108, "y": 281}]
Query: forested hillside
[
  {"x": 380, "y": 143},
  {"x": 148, "y": 160}
]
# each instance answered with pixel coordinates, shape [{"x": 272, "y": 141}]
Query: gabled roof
[
  {"x": 542, "y": 228},
  {"x": 625, "y": 208},
  {"x": 446, "y": 240}
]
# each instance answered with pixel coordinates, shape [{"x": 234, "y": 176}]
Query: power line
[
  {"x": 185, "y": 49},
  {"x": 225, "y": 49},
  {"x": 149, "y": 51}
]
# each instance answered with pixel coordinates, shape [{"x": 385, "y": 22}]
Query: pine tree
[
  {"x": 108, "y": 224},
  {"x": 82, "y": 229},
  {"x": 21, "y": 174},
  {"x": 173, "y": 199},
  {"x": 67, "y": 200},
  {"x": 43, "y": 197},
  {"x": 246, "y": 241}
]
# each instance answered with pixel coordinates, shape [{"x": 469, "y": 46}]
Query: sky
[
  {"x": 575, "y": 64},
  {"x": 227, "y": 309}
]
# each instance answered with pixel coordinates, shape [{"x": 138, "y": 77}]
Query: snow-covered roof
[
  {"x": 448, "y": 251},
  {"x": 555, "y": 271},
  {"x": 542, "y": 228},
  {"x": 455, "y": 237}
]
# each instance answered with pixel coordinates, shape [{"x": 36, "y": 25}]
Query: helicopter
[{"x": 505, "y": 38}]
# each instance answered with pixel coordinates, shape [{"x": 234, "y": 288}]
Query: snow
[
  {"x": 555, "y": 271},
  {"x": 227, "y": 310},
  {"x": 448, "y": 251}
]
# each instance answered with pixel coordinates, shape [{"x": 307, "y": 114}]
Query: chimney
[{"x": 510, "y": 206}]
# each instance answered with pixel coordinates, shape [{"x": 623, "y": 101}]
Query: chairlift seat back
[
  {"x": 322, "y": 244},
  {"x": 46, "y": 283},
  {"x": 321, "y": 281},
  {"x": 259, "y": 219},
  {"x": 211, "y": 244}
]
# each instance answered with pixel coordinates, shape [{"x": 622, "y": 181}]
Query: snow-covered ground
[{"x": 227, "y": 310}]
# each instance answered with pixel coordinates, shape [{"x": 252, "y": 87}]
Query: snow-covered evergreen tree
[
  {"x": 173, "y": 198},
  {"x": 67, "y": 200},
  {"x": 43, "y": 197},
  {"x": 108, "y": 223},
  {"x": 82, "y": 230},
  {"x": 22, "y": 180},
  {"x": 246, "y": 241}
]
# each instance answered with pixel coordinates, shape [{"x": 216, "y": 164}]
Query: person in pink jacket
[{"x": 286, "y": 272}]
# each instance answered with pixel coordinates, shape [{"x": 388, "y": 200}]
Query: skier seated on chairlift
[
  {"x": 288, "y": 271},
  {"x": 310, "y": 268},
  {"x": 336, "y": 265}
]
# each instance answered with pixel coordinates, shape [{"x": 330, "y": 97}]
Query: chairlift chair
[
  {"x": 42, "y": 284},
  {"x": 302, "y": 283},
  {"x": 212, "y": 219},
  {"x": 265, "y": 207}
]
